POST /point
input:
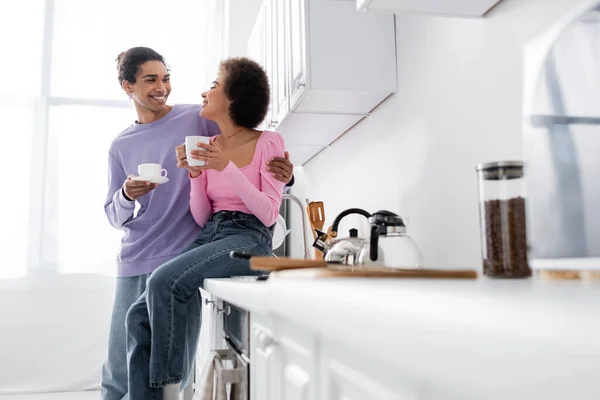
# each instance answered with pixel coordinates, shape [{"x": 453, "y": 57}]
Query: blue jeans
[
  {"x": 114, "y": 370},
  {"x": 165, "y": 321}
]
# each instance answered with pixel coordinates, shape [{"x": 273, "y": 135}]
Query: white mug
[
  {"x": 151, "y": 170},
  {"x": 191, "y": 144}
]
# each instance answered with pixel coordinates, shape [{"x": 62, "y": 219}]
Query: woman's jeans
[{"x": 165, "y": 321}]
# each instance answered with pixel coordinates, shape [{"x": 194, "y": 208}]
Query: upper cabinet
[
  {"x": 457, "y": 8},
  {"x": 328, "y": 65}
]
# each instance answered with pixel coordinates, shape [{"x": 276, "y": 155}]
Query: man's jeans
[{"x": 114, "y": 370}]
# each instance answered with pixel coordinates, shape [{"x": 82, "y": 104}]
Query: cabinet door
[
  {"x": 256, "y": 41},
  {"x": 257, "y": 45},
  {"x": 344, "y": 383},
  {"x": 269, "y": 57},
  {"x": 209, "y": 332},
  {"x": 295, "y": 363},
  {"x": 279, "y": 90},
  {"x": 349, "y": 375},
  {"x": 298, "y": 51},
  {"x": 262, "y": 382}
]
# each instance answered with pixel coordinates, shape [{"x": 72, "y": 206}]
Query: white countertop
[{"x": 452, "y": 331}]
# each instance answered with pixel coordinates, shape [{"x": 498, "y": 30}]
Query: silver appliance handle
[{"x": 304, "y": 219}]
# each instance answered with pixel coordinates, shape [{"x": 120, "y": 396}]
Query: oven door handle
[{"x": 236, "y": 350}]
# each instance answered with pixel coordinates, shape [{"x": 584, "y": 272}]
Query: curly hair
[
  {"x": 247, "y": 87},
  {"x": 129, "y": 62}
]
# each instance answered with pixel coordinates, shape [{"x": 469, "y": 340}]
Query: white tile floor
[{"x": 90, "y": 395}]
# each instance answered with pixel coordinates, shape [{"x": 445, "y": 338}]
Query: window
[
  {"x": 61, "y": 106},
  {"x": 88, "y": 36},
  {"x": 79, "y": 137},
  {"x": 20, "y": 86},
  {"x": 15, "y": 153},
  {"x": 22, "y": 58}
]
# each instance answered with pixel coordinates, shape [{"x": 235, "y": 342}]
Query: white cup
[
  {"x": 151, "y": 170},
  {"x": 191, "y": 144}
]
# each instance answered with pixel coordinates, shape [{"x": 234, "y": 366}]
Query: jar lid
[{"x": 498, "y": 170}]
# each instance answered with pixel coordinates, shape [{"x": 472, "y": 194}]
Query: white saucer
[{"x": 151, "y": 179}]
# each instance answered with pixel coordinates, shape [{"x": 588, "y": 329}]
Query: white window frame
[
  {"x": 38, "y": 238},
  {"x": 41, "y": 237}
]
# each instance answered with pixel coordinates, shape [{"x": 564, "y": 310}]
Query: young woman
[
  {"x": 236, "y": 201},
  {"x": 163, "y": 226}
]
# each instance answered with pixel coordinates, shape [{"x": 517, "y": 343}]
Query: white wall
[
  {"x": 53, "y": 331},
  {"x": 459, "y": 103}
]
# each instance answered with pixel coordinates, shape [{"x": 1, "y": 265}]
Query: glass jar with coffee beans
[{"x": 502, "y": 217}]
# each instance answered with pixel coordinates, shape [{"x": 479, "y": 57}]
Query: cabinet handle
[
  {"x": 264, "y": 341},
  {"x": 208, "y": 302},
  {"x": 274, "y": 123},
  {"x": 225, "y": 310},
  {"x": 300, "y": 84}
]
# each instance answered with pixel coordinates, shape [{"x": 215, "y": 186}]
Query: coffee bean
[{"x": 505, "y": 247}]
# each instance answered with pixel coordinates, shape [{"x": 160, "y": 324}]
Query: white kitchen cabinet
[
  {"x": 256, "y": 41},
  {"x": 342, "y": 61},
  {"x": 315, "y": 129},
  {"x": 262, "y": 346},
  {"x": 284, "y": 361},
  {"x": 279, "y": 92},
  {"x": 458, "y": 8},
  {"x": 348, "y": 375},
  {"x": 270, "y": 56},
  {"x": 257, "y": 46},
  {"x": 296, "y": 40},
  {"x": 328, "y": 67},
  {"x": 299, "y": 154},
  {"x": 211, "y": 326},
  {"x": 296, "y": 361},
  {"x": 292, "y": 363}
]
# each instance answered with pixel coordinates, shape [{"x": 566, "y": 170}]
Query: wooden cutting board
[
  {"x": 317, "y": 273},
  {"x": 311, "y": 269}
]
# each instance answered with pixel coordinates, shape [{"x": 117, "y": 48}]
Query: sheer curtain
[{"x": 61, "y": 106}]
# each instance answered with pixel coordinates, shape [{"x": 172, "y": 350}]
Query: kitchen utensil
[
  {"x": 316, "y": 214},
  {"x": 316, "y": 217},
  {"x": 344, "y": 250},
  {"x": 389, "y": 245}
]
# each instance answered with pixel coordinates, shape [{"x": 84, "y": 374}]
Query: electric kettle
[{"x": 389, "y": 246}]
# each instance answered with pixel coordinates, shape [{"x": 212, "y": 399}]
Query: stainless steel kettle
[
  {"x": 389, "y": 245},
  {"x": 344, "y": 250}
]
